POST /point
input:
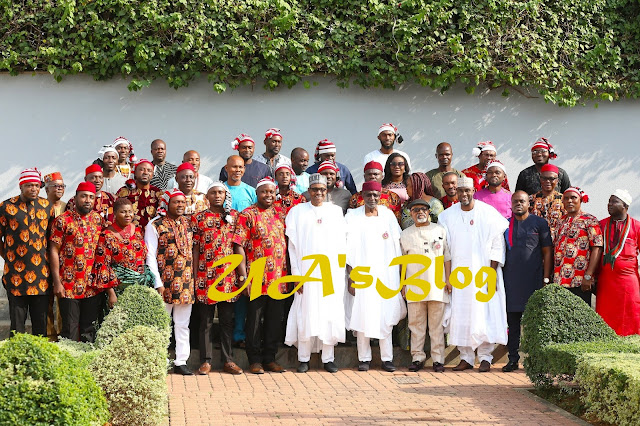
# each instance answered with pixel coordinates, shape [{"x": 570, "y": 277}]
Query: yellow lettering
[
  {"x": 360, "y": 274},
  {"x": 218, "y": 296},
  {"x": 325, "y": 278},
  {"x": 440, "y": 283},
  {"x": 486, "y": 276},
  {"x": 413, "y": 280},
  {"x": 466, "y": 273}
]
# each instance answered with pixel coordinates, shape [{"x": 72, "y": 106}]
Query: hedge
[
  {"x": 564, "y": 50},
  {"x": 611, "y": 387}
]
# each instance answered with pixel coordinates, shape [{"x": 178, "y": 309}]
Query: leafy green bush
[
  {"x": 82, "y": 352},
  {"x": 132, "y": 373},
  {"x": 555, "y": 315},
  {"x": 611, "y": 387},
  {"x": 43, "y": 385},
  {"x": 138, "y": 305}
]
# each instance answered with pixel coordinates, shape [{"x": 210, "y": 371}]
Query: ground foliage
[{"x": 565, "y": 51}]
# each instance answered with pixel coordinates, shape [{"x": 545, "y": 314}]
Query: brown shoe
[
  {"x": 232, "y": 368},
  {"x": 484, "y": 366},
  {"x": 256, "y": 368},
  {"x": 274, "y": 367},
  {"x": 204, "y": 369},
  {"x": 464, "y": 365}
]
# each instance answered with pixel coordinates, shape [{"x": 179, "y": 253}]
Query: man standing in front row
[
  {"x": 527, "y": 267},
  {"x": 475, "y": 235},
  {"x": 373, "y": 240},
  {"x": 169, "y": 243},
  {"x": 315, "y": 322},
  {"x": 426, "y": 239}
]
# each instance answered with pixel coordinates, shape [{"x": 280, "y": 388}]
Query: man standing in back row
[
  {"x": 529, "y": 179},
  {"x": 444, "y": 155}
]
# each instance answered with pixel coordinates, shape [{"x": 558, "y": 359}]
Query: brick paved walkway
[{"x": 353, "y": 397}]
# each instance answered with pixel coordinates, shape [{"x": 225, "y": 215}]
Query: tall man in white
[
  {"x": 315, "y": 322},
  {"x": 475, "y": 235},
  {"x": 373, "y": 241}
]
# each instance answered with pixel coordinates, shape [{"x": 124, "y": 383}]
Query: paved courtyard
[{"x": 352, "y": 397}]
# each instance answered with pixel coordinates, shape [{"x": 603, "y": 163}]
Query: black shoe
[
  {"x": 511, "y": 366},
  {"x": 416, "y": 366},
  {"x": 182, "y": 369},
  {"x": 364, "y": 365},
  {"x": 303, "y": 367},
  {"x": 388, "y": 366},
  {"x": 438, "y": 368},
  {"x": 331, "y": 367}
]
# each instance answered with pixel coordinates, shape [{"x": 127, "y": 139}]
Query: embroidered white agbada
[
  {"x": 316, "y": 230},
  {"x": 374, "y": 241},
  {"x": 475, "y": 239}
]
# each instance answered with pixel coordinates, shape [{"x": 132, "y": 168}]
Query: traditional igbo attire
[
  {"x": 285, "y": 203},
  {"x": 124, "y": 170},
  {"x": 254, "y": 172},
  {"x": 435, "y": 176},
  {"x": 213, "y": 238},
  {"x": 23, "y": 234},
  {"x": 119, "y": 251},
  {"x": 478, "y": 175},
  {"x": 169, "y": 244},
  {"x": 196, "y": 202},
  {"x": 429, "y": 241},
  {"x": 388, "y": 199},
  {"x": 529, "y": 180},
  {"x": 523, "y": 270},
  {"x": 500, "y": 200},
  {"x": 145, "y": 203},
  {"x": 78, "y": 238},
  {"x": 475, "y": 239},
  {"x": 316, "y": 322},
  {"x": 618, "y": 291},
  {"x": 446, "y": 203},
  {"x": 59, "y": 208},
  {"x": 162, "y": 173},
  {"x": 261, "y": 234},
  {"x": 374, "y": 241},
  {"x": 549, "y": 208},
  {"x": 103, "y": 205}
]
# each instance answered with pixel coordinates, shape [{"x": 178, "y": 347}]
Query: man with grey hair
[
  {"x": 475, "y": 235},
  {"x": 316, "y": 322}
]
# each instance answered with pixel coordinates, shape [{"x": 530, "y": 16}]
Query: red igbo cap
[
  {"x": 86, "y": 186},
  {"x": 185, "y": 166},
  {"x": 92, "y": 169},
  {"x": 328, "y": 165},
  {"x": 373, "y": 165},
  {"x": 550, "y": 168},
  {"x": 372, "y": 185}
]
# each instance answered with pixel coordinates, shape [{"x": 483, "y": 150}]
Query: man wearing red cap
[
  {"x": 24, "y": 227},
  {"x": 272, "y": 157},
  {"x": 529, "y": 179},
  {"x": 202, "y": 181},
  {"x": 54, "y": 187},
  {"x": 169, "y": 241},
  {"x": 254, "y": 171},
  {"x": 186, "y": 178},
  {"x": 103, "y": 204},
  {"x": 387, "y": 135},
  {"x": 486, "y": 153},
  {"x": 336, "y": 194},
  {"x": 162, "y": 170},
  {"x": 260, "y": 234},
  {"x": 547, "y": 203},
  {"x": 373, "y": 171},
  {"x": 373, "y": 240},
  {"x": 578, "y": 246},
  {"x": 326, "y": 151},
  {"x": 286, "y": 197},
  {"x": 72, "y": 246},
  {"x": 144, "y": 196}
]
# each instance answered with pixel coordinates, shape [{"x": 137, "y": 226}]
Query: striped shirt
[{"x": 162, "y": 174}]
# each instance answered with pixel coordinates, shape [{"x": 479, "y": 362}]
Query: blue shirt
[
  {"x": 302, "y": 183},
  {"x": 242, "y": 196}
]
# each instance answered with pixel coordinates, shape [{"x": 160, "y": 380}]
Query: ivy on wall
[{"x": 566, "y": 51}]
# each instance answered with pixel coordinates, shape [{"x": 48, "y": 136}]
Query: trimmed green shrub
[
  {"x": 611, "y": 387},
  {"x": 554, "y": 315},
  {"x": 43, "y": 385},
  {"x": 132, "y": 373},
  {"x": 138, "y": 305},
  {"x": 82, "y": 352}
]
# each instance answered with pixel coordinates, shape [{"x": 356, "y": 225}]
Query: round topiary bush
[
  {"x": 132, "y": 373},
  {"x": 43, "y": 385},
  {"x": 554, "y": 315}
]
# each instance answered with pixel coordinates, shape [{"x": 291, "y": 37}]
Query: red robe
[{"x": 618, "y": 289}]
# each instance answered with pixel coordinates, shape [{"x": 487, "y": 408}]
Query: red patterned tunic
[
  {"x": 446, "y": 203},
  {"x": 103, "y": 205},
  {"x": 549, "y": 208},
  {"x": 478, "y": 175},
  {"x": 145, "y": 203},
  {"x": 261, "y": 234},
  {"x": 23, "y": 233},
  {"x": 387, "y": 198},
  {"x": 171, "y": 247},
  {"x": 576, "y": 237},
  {"x": 284, "y": 203},
  {"x": 117, "y": 249},
  {"x": 77, "y": 237},
  {"x": 214, "y": 239}
]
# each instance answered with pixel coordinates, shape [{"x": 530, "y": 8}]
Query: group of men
[{"x": 278, "y": 213}]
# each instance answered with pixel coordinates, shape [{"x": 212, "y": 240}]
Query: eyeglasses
[
  {"x": 397, "y": 164},
  {"x": 548, "y": 179},
  {"x": 419, "y": 210},
  {"x": 317, "y": 189},
  {"x": 58, "y": 186},
  {"x": 539, "y": 151}
]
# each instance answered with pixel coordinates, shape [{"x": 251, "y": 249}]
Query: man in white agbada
[
  {"x": 316, "y": 323},
  {"x": 373, "y": 241},
  {"x": 475, "y": 235}
]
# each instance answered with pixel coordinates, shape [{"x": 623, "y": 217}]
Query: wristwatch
[
  {"x": 588, "y": 277},
  {"x": 546, "y": 280}
]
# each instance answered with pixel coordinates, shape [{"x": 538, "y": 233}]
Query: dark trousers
[
  {"x": 513, "y": 343},
  {"x": 270, "y": 310},
  {"x": 35, "y": 306},
  {"x": 240, "y": 309},
  {"x": 584, "y": 295},
  {"x": 225, "y": 317},
  {"x": 79, "y": 317}
]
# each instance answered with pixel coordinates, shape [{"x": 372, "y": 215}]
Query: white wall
[{"x": 61, "y": 126}]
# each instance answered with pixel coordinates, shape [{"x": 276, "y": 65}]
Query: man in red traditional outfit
[
  {"x": 144, "y": 196},
  {"x": 104, "y": 200},
  {"x": 486, "y": 153},
  {"x": 618, "y": 291}
]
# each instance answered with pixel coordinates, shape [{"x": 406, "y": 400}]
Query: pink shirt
[{"x": 500, "y": 200}]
